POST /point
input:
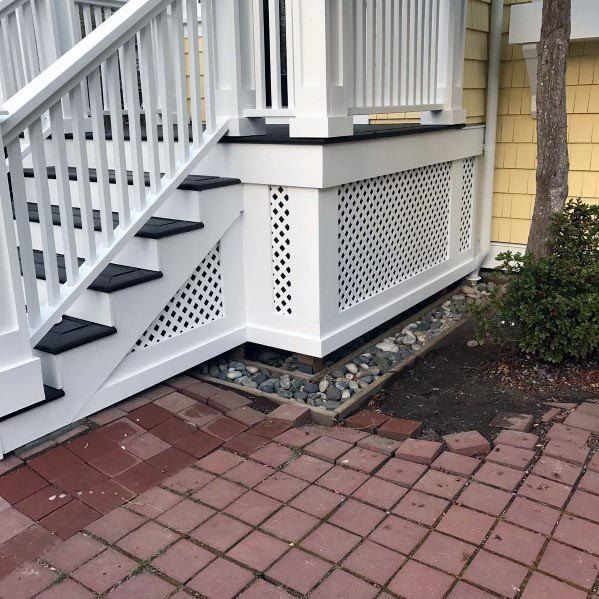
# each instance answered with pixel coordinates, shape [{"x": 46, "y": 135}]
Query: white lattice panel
[
  {"x": 198, "y": 302},
  {"x": 466, "y": 210},
  {"x": 280, "y": 242},
  {"x": 391, "y": 228}
]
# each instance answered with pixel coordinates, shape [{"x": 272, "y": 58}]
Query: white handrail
[{"x": 104, "y": 62}]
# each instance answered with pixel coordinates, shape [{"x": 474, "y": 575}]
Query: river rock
[
  {"x": 333, "y": 393},
  {"x": 387, "y": 346}
]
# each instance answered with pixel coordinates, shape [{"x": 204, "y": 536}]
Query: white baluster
[
  {"x": 101, "y": 154},
  {"x": 164, "y": 69},
  {"x": 118, "y": 139},
  {"x": 148, "y": 88},
  {"x": 209, "y": 64},
  {"x": 44, "y": 209},
  {"x": 289, "y": 33},
  {"x": 135, "y": 145},
  {"x": 178, "y": 36},
  {"x": 274, "y": 25},
  {"x": 194, "y": 73},
  {"x": 259, "y": 53},
  {"x": 82, "y": 168},
  {"x": 63, "y": 186},
  {"x": 19, "y": 194}
]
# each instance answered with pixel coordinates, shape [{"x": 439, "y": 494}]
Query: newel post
[
  {"x": 450, "y": 77},
  {"x": 323, "y": 46},
  {"x": 234, "y": 52},
  {"x": 20, "y": 372}
]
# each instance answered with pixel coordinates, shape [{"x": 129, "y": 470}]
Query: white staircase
[{"x": 104, "y": 220}]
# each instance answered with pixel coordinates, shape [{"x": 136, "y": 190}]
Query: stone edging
[{"x": 328, "y": 417}]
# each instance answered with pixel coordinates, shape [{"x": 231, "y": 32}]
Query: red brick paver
[{"x": 149, "y": 505}]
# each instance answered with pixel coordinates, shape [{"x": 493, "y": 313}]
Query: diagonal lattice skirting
[{"x": 198, "y": 302}]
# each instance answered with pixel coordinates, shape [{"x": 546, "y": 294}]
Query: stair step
[
  {"x": 114, "y": 277},
  {"x": 155, "y": 228},
  {"x": 72, "y": 332},
  {"x": 50, "y": 394},
  {"x": 190, "y": 183}
]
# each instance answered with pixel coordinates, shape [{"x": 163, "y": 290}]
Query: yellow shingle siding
[
  {"x": 475, "y": 68},
  {"x": 515, "y": 160}
]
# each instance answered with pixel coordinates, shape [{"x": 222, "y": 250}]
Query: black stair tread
[
  {"x": 51, "y": 393},
  {"x": 114, "y": 277},
  {"x": 190, "y": 183},
  {"x": 72, "y": 332},
  {"x": 155, "y": 228}
]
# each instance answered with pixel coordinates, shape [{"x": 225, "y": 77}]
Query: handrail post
[
  {"x": 450, "y": 76},
  {"x": 233, "y": 41},
  {"x": 20, "y": 371},
  {"x": 323, "y": 41}
]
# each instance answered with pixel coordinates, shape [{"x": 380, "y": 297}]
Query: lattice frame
[
  {"x": 198, "y": 302},
  {"x": 280, "y": 243},
  {"x": 467, "y": 204},
  {"x": 391, "y": 228}
]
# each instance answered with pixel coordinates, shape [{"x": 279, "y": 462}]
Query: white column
[
  {"x": 20, "y": 373},
  {"x": 323, "y": 42},
  {"x": 235, "y": 89},
  {"x": 450, "y": 77}
]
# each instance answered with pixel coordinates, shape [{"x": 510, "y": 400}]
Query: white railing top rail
[{"x": 37, "y": 96}]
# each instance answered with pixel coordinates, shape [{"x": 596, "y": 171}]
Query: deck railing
[
  {"x": 29, "y": 42},
  {"x": 104, "y": 62},
  {"x": 396, "y": 56},
  {"x": 317, "y": 63}
]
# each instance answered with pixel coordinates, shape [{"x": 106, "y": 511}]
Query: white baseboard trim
[{"x": 497, "y": 248}]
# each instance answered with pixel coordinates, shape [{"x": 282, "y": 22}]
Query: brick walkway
[{"x": 168, "y": 497}]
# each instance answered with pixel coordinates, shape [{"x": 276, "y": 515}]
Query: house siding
[{"x": 515, "y": 162}]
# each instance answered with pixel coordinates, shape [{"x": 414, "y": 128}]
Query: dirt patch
[{"x": 456, "y": 388}]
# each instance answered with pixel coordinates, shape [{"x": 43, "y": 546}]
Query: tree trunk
[{"x": 552, "y": 145}]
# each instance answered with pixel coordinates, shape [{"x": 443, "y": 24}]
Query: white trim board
[
  {"x": 497, "y": 248},
  {"x": 525, "y": 22}
]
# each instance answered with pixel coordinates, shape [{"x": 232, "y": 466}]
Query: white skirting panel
[{"x": 345, "y": 258}]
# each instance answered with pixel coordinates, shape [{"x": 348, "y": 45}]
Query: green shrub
[{"x": 550, "y": 306}]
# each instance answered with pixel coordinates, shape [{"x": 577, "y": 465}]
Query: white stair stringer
[
  {"x": 152, "y": 365},
  {"x": 81, "y": 372}
]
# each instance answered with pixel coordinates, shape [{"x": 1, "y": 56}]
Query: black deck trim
[
  {"x": 115, "y": 277},
  {"x": 50, "y": 394},
  {"x": 279, "y": 134},
  {"x": 155, "y": 228},
  {"x": 72, "y": 332},
  {"x": 190, "y": 183}
]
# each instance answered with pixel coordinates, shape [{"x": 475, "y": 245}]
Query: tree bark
[{"x": 552, "y": 145}]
